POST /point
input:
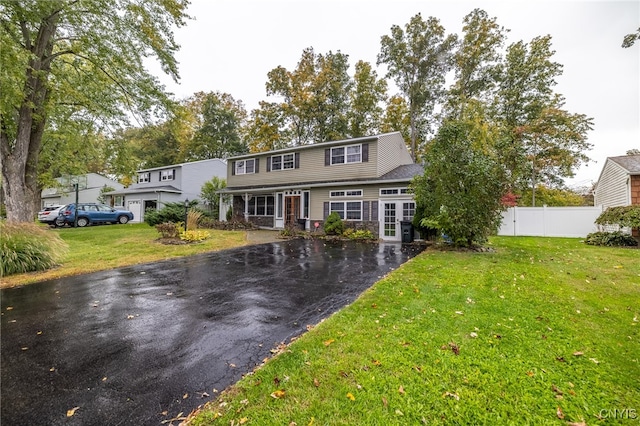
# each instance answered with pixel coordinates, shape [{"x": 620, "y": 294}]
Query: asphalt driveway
[{"x": 140, "y": 345}]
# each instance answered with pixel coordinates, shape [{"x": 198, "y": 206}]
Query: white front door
[{"x": 393, "y": 212}]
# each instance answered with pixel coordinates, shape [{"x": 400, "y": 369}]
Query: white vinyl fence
[{"x": 550, "y": 221}]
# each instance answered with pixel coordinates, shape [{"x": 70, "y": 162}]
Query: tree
[
  {"x": 477, "y": 61},
  {"x": 83, "y": 57},
  {"x": 365, "y": 113},
  {"x": 418, "y": 60},
  {"x": 545, "y": 143},
  {"x": 553, "y": 197},
  {"x": 463, "y": 184},
  {"x": 397, "y": 118},
  {"x": 263, "y": 129},
  {"x": 630, "y": 39},
  {"x": 218, "y": 131},
  {"x": 211, "y": 197},
  {"x": 315, "y": 98}
]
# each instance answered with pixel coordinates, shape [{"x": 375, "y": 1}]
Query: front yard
[{"x": 541, "y": 331}]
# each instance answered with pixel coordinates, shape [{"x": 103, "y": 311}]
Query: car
[
  {"x": 49, "y": 214},
  {"x": 92, "y": 213}
]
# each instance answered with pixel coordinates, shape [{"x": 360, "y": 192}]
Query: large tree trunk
[{"x": 20, "y": 157}]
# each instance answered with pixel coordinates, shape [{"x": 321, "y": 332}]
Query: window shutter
[
  {"x": 233, "y": 168},
  {"x": 160, "y": 176},
  {"x": 325, "y": 210},
  {"x": 173, "y": 174},
  {"x": 268, "y": 164},
  {"x": 365, "y": 208},
  {"x": 256, "y": 167},
  {"x": 374, "y": 211},
  {"x": 297, "y": 160},
  {"x": 327, "y": 157},
  {"x": 365, "y": 152}
]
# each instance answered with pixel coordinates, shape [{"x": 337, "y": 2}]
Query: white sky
[{"x": 231, "y": 45}]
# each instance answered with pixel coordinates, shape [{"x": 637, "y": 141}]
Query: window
[
  {"x": 167, "y": 175},
  {"x": 346, "y": 154},
  {"x": 245, "y": 167},
  {"x": 118, "y": 200},
  {"x": 349, "y": 210},
  {"x": 262, "y": 206},
  {"x": 349, "y": 193},
  {"x": 395, "y": 191},
  {"x": 144, "y": 177},
  {"x": 283, "y": 162},
  {"x": 408, "y": 211}
]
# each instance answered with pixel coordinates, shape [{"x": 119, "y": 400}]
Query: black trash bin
[
  {"x": 407, "y": 231},
  {"x": 302, "y": 224}
]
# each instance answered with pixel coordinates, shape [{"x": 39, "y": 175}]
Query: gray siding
[{"x": 613, "y": 186}]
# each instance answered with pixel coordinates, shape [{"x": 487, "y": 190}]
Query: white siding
[
  {"x": 392, "y": 153},
  {"x": 613, "y": 186}
]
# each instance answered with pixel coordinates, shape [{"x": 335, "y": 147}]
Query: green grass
[
  {"x": 541, "y": 331},
  {"x": 97, "y": 248}
]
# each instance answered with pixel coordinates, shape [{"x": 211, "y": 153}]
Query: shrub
[
  {"x": 623, "y": 216},
  {"x": 229, "y": 214},
  {"x": 359, "y": 235},
  {"x": 168, "y": 230},
  {"x": 612, "y": 239},
  {"x": 194, "y": 236},
  {"x": 333, "y": 225},
  {"x": 27, "y": 247},
  {"x": 171, "y": 212}
]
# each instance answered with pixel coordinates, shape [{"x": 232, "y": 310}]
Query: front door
[
  {"x": 291, "y": 210},
  {"x": 393, "y": 212}
]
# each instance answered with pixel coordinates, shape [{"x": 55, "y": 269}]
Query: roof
[
  {"x": 401, "y": 174},
  {"x": 631, "y": 163},
  {"x": 315, "y": 145},
  {"x": 139, "y": 190},
  {"x": 223, "y": 161}
]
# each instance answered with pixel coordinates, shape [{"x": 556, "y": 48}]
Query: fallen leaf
[
  {"x": 594, "y": 360},
  {"x": 130, "y": 317},
  {"x": 71, "y": 412},
  {"x": 232, "y": 365},
  {"x": 401, "y": 390},
  {"x": 473, "y": 334},
  {"x": 459, "y": 312},
  {"x": 243, "y": 420},
  {"x": 452, "y": 395},
  {"x": 376, "y": 362},
  {"x": 39, "y": 333},
  {"x": 328, "y": 342},
  {"x": 26, "y": 348},
  {"x": 185, "y": 396},
  {"x": 104, "y": 379},
  {"x": 555, "y": 390},
  {"x": 276, "y": 380},
  {"x": 530, "y": 373},
  {"x": 578, "y": 353},
  {"x": 316, "y": 383},
  {"x": 9, "y": 308},
  {"x": 577, "y": 424},
  {"x": 559, "y": 413},
  {"x": 350, "y": 396},
  {"x": 384, "y": 402},
  {"x": 399, "y": 413},
  {"x": 454, "y": 348},
  {"x": 278, "y": 394}
]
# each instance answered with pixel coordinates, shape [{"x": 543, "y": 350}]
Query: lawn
[
  {"x": 97, "y": 248},
  {"x": 539, "y": 331}
]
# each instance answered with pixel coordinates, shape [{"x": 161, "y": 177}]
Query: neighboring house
[
  {"x": 168, "y": 184},
  {"x": 89, "y": 189},
  {"x": 364, "y": 179},
  {"x": 619, "y": 183}
]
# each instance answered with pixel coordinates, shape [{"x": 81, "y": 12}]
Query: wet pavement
[{"x": 140, "y": 345}]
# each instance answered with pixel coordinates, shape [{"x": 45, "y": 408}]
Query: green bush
[
  {"x": 359, "y": 235},
  {"x": 624, "y": 216},
  {"x": 333, "y": 225},
  {"x": 612, "y": 239},
  {"x": 27, "y": 247},
  {"x": 171, "y": 212}
]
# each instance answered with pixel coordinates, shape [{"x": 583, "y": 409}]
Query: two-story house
[
  {"x": 364, "y": 179},
  {"x": 90, "y": 187},
  {"x": 169, "y": 184}
]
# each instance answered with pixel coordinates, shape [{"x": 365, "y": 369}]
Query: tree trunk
[{"x": 20, "y": 158}]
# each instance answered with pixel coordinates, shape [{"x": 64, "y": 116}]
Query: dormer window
[
  {"x": 245, "y": 167},
  {"x": 144, "y": 177},
  {"x": 346, "y": 155},
  {"x": 167, "y": 175}
]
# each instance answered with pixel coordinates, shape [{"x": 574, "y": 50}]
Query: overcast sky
[{"x": 231, "y": 45}]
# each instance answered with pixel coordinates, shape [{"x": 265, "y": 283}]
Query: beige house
[
  {"x": 365, "y": 180},
  {"x": 619, "y": 182}
]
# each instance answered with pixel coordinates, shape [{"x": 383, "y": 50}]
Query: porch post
[{"x": 246, "y": 207}]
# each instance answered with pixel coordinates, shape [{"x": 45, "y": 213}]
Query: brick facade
[{"x": 635, "y": 189}]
